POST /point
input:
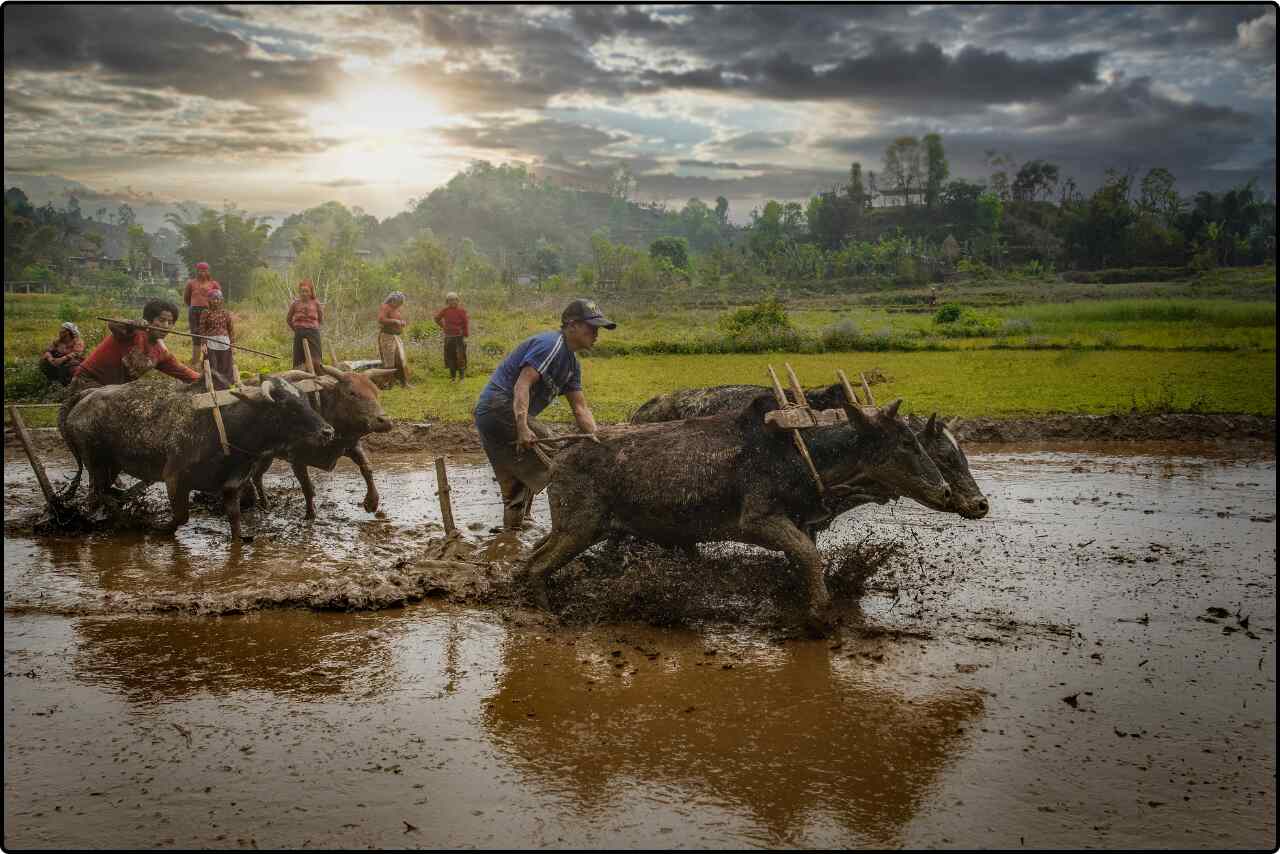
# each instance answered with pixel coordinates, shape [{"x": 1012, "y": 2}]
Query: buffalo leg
[
  {"x": 361, "y": 458},
  {"x": 231, "y": 505},
  {"x": 557, "y": 549},
  {"x": 308, "y": 490},
  {"x": 179, "y": 500},
  {"x": 258, "y": 471},
  {"x": 780, "y": 533}
]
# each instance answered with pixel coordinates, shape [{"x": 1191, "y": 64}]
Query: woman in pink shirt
[
  {"x": 304, "y": 318},
  {"x": 196, "y": 296}
]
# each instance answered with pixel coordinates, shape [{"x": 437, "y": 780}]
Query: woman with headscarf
[
  {"x": 391, "y": 325},
  {"x": 216, "y": 323},
  {"x": 196, "y": 296},
  {"x": 64, "y": 355},
  {"x": 305, "y": 316}
]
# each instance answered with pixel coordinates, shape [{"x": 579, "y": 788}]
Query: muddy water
[{"x": 1050, "y": 676}]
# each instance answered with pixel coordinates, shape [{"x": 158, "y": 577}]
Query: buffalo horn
[
  {"x": 381, "y": 372},
  {"x": 265, "y": 388},
  {"x": 331, "y": 371},
  {"x": 932, "y": 426},
  {"x": 892, "y": 409}
]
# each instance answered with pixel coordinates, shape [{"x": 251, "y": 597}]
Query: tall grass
[{"x": 1219, "y": 313}]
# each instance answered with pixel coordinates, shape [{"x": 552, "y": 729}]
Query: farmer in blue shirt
[{"x": 526, "y": 382}]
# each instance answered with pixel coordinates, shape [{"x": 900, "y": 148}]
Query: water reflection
[
  {"x": 792, "y": 736},
  {"x": 165, "y": 659}
]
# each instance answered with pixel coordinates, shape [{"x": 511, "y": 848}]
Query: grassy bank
[{"x": 1019, "y": 348}]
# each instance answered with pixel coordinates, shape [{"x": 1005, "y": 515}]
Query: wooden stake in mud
[
  {"x": 795, "y": 434},
  {"x": 446, "y": 508},
  {"x": 25, "y": 438},
  {"x": 866, "y": 389},
  {"x": 217, "y": 413},
  {"x": 311, "y": 369},
  {"x": 848, "y": 389}
]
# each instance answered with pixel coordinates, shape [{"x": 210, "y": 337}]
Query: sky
[{"x": 277, "y": 108}]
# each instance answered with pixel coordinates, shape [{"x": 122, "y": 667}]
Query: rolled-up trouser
[
  {"x": 521, "y": 475},
  {"x": 455, "y": 355},
  {"x": 57, "y": 373},
  {"x": 312, "y": 337}
]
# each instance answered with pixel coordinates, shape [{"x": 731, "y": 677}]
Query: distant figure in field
[
  {"x": 64, "y": 355},
  {"x": 216, "y": 323},
  {"x": 196, "y": 296},
  {"x": 391, "y": 324},
  {"x": 457, "y": 326},
  {"x": 305, "y": 317}
]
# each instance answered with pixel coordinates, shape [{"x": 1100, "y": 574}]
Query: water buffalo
[
  {"x": 726, "y": 477},
  {"x": 352, "y": 408},
  {"x": 153, "y": 432},
  {"x": 936, "y": 438}
]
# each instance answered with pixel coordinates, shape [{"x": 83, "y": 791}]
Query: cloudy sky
[{"x": 276, "y": 108}]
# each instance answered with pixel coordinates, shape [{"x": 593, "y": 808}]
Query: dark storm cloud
[
  {"x": 543, "y": 138},
  {"x": 893, "y": 72},
  {"x": 150, "y": 47}
]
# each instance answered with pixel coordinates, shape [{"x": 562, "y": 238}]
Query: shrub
[
  {"x": 24, "y": 381},
  {"x": 973, "y": 268},
  {"x": 844, "y": 335},
  {"x": 1015, "y": 326},
  {"x": 949, "y": 313},
  {"x": 768, "y": 316}
]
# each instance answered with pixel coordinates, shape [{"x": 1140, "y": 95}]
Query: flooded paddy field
[{"x": 1093, "y": 665}]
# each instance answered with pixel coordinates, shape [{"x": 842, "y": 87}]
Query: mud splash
[{"x": 1091, "y": 666}]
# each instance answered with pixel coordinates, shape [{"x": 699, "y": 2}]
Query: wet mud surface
[{"x": 1091, "y": 665}]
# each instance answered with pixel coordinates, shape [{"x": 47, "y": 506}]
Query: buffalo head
[
  {"x": 892, "y": 456},
  {"x": 941, "y": 445},
  {"x": 354, "y": 408}
]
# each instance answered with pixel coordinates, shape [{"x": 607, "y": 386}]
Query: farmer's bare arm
[
  {"x": 520, "y": 405},
  {"x": 581, "y": 411}
]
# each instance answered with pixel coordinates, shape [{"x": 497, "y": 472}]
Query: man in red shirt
[
  {"x": 131, "y": 351},
  {"x": 453, "y": 320},
  {"x": 196, "y": 296}
]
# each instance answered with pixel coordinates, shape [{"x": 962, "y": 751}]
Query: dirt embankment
[{"x": 454, "y": 438}]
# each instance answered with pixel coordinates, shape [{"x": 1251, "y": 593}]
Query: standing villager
[
  {"x": 64, "y": 355},
  {"x": 391, "y": 325},
  {"x": 457, "y": 326},
  {"x": 526, "y": 382},
  {"x": 305, "y": 317},
  {"x": 196, "y": 297},
  {"x": 217, "y": 324}
]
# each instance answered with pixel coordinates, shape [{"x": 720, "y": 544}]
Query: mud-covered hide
[
  {"x": 938, "y": 441},
  {"x": 725, "y": 477},
  {"x": 152, "y": 431},
  {"x": 352, "y": 408},
  {"x": 715, "y": 400}
]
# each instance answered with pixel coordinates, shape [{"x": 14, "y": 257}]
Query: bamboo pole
[
  {"x": 848, "y": 388},
  {"x": 217, "y": 413},
  {"x": 796, "y": 388},
  {"x": 866, "y": 389},
  {"x": 446, "y": 507},
  {"x": 795, "y": 434},
  {"x": 25, "y": 438},
  {"x": 171, "y": 331}
]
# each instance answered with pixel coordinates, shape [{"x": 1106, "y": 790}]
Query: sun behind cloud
[{"x": 378, "y": 109}]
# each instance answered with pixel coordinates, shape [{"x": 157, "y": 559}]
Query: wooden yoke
[
  {"x": 217, "y": 414},
  {"x": 848, "y": 389},
  {"x": 795, "y": 431}
]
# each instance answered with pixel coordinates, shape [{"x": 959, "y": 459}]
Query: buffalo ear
[
  {"x": 892, "y": 409},
  {"x": 857, "y": 418},
  {"x": 932, "y": 427}
]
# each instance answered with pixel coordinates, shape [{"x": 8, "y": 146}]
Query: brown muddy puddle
[{"x": 1052, "y": 676}]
